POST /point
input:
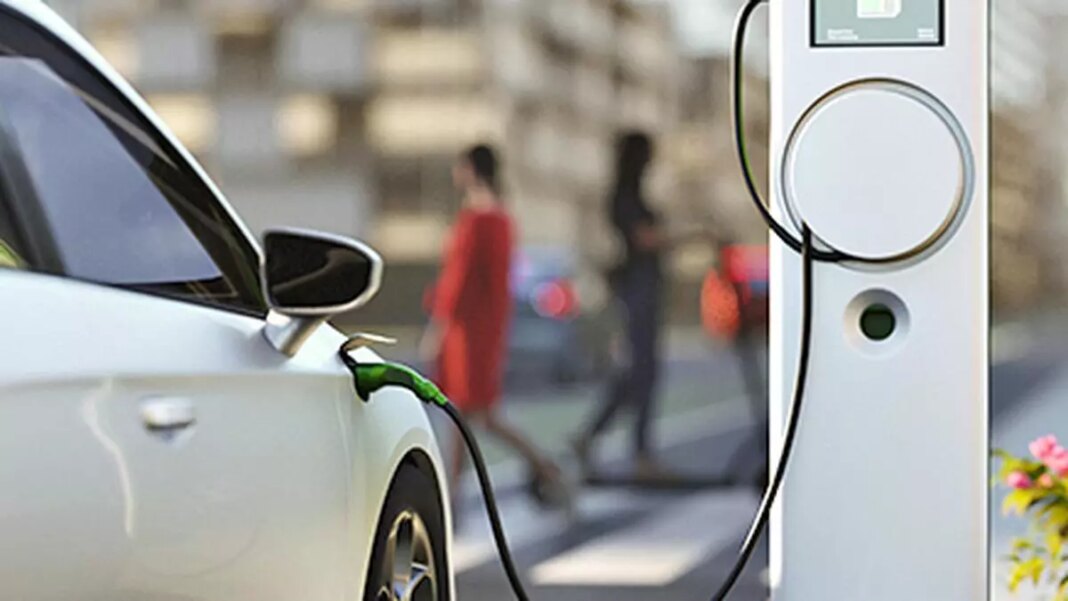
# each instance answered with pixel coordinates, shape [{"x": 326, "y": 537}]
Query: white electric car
[{"x": 175, "y": 423}]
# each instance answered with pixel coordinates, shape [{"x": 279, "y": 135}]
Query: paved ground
[
  {"x": 623, "y": 540},
  {"x": 629, "y": 543}
]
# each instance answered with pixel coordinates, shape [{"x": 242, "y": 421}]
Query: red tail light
[{"x": 555, "y": 300}]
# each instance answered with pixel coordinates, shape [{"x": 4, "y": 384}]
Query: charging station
[{"x": 879, "y": 145}]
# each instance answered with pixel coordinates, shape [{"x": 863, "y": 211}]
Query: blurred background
[{"x": 347, "y": 115}]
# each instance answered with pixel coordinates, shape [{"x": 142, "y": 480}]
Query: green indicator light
[{"x": 878, "y": 322}]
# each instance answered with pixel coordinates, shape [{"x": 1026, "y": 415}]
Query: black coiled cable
[{"x": 810, "y": 256}]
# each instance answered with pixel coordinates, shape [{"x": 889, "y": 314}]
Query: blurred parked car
[
  {"x": 559, "y": 332},
  {"x": 734, "y": 296},
  {"x": 175, "y": 422},
  {"x": 746, "y": 267}
]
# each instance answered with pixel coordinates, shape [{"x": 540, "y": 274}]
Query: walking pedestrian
[
  {"x": 471, "y": 313},
  {"x": 638, "y": 285}
]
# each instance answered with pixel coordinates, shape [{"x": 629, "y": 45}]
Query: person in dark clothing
[{"x": 638, "y": 285}]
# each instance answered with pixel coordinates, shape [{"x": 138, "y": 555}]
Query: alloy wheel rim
[{"x": 408, "y": 570}]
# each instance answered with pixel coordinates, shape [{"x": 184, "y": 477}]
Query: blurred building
[
  {"x": 1030, "y": 209},
  {"x": 346, "y": 115},
  {"x": 708, "y": 184},
  {"x": 704, "y": 150}
]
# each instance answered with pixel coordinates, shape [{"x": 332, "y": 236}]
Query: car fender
[{"x": 399, "y": 428}]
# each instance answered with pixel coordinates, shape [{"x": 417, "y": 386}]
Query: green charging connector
[{"x": 369, "y": 378}]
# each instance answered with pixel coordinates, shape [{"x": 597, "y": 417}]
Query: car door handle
[{"x": 168, "y": 415}]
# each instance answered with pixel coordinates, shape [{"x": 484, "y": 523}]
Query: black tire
[{"x": 413, "y": 506}]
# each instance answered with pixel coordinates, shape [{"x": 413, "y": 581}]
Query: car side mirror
[{"x": 309, "y": 277}]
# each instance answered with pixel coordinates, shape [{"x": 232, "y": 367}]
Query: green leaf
[
  {"x": 1016, "y": 576},
  {"x": 1035, "y": 567},
  {"x": 1019, "y": 501},
  {"x": 1054, "y": 542},
  {"x": 1055, "y": 515}
]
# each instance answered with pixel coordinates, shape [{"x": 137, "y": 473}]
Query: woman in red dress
[{"x": 472, "y": 307}]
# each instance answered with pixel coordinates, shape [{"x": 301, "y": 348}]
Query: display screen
[{"x": 877, "y": 22}]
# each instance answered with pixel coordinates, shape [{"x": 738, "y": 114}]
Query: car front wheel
[{"x": 409, "y": 560}]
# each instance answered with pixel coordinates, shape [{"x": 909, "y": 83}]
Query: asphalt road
[{"x": 627, "y": 542}]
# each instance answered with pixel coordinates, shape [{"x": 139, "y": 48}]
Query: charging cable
[
  {"x": 741, "y": 146},
  {"x": 370, "y": 378},
  {"x": 793, "y": 419}
]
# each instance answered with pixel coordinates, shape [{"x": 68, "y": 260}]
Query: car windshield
[
  {"x": 102, "y": 201},
  {"x": 89, "y": 186}
]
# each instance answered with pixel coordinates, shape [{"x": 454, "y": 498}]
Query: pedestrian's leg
[
  {"x": 547, "y": 480},
  {"x": 496, "y": 425},
  {"x": 746, "y": 349},
  {"x": 644, "y": 382},
  {"x": 617, "y": 394}
]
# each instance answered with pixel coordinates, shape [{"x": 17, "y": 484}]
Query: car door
[{"x": 153, "y": 445}]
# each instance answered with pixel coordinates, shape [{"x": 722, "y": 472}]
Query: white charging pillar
[{"x": 880, "y": 144}]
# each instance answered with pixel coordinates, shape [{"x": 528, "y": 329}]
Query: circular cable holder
[{"x": 880, "y": 170}]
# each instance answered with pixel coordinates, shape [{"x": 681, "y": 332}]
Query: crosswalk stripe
[{"x": 656, "y": 551}]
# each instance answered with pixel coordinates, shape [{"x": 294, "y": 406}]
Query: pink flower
[
  {"x": 1045, "y": 481},
  {"x": 1057, "y": 462},
  {"x": 1018, "y": 480},
  {"x": 1043, "y": 448}
]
